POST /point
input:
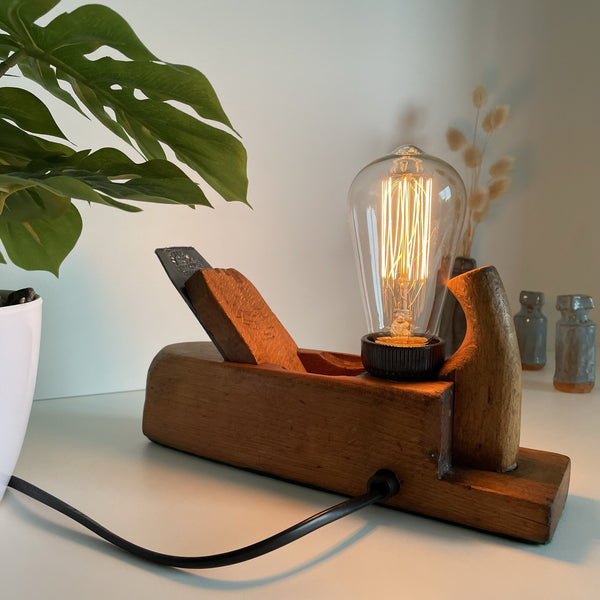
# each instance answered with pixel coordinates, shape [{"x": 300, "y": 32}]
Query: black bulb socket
[{"x": 402, "y": 363}]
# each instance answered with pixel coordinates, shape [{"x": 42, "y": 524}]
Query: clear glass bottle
[
  {"x": 575, "y": 345},
  {"x": 531, "y": 327}
]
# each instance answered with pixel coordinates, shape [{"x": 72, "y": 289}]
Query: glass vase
[
  {"x": 531, "y": 327},
  {"x": 575, "y": 345}
]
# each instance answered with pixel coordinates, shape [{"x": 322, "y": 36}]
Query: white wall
[{"x": 317, "y": 89}]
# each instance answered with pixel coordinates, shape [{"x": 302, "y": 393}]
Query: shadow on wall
[{"x": 411, "y": 127}]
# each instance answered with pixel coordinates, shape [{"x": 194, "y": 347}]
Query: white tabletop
[{"x": 90, "y": 452}]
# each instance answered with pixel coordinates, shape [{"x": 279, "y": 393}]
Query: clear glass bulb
[{"x": 407, "y": 213}]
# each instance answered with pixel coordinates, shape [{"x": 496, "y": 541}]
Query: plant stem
[
  {"x": 475, "y": 128},
  {"x": 467, "y": 238},
  {"x": 11, "y": 61}
]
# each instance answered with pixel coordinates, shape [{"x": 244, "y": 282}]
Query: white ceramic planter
[{"x": 20, "y": 328}]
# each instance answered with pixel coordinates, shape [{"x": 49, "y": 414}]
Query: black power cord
[{"x": 381, "y": 486}]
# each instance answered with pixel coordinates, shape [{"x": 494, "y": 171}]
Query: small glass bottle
[
  {"x": 531, "y": 326},
  {"x": 575, "y": 345}
]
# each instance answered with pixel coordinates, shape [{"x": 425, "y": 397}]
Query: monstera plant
[{"x": 150, "y": 104}]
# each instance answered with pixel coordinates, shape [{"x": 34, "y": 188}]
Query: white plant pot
[{"x": 20, "y": 328}]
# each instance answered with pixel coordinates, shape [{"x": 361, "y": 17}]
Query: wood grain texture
[
  {"x": 329, "y": 431},
  {"x": 524, "y": 503},
  {"x": 330, "y": 363},
  {"x": 239, "y": 321},
  {"x": 486, "y": 371},
  {"x": 334, "y": 432}
]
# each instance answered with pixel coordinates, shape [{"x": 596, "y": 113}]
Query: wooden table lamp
[{"x": 251, "y": 398}]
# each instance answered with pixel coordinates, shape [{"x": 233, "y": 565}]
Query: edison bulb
[{"x": 407, "y": 213}]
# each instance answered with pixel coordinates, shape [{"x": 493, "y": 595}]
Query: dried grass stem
[{"x": 479, "y": 196}]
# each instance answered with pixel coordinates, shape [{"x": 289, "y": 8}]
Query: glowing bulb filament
[{"x": 405, "y": 239}]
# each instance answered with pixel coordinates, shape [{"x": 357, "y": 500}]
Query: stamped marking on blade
[
  {"x": 187, "y": 260},
  {"x": 180, "y": 263}
]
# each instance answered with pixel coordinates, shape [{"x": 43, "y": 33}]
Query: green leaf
[
  {"x": 30, "y": 202},
  {"x": 96, "y": 107},
  {"x": 43, "y": 74},
  {"x": 32, "y": 10},
  {"x": 59, "y": 52},
  {"x": 157, "y": 81},
  {"x": 148, "y": 145},
  {"x": 211, "y": 152},
  {"x": 19, "y": 147},
  {"x": 23, "y": 12},
  {"x": 89, "y": 27},
  {"x": 216, "y": 155},
  {"x": 44, "y": 243},
  {"x": 153, "y": 181},
  {"x": 17, "y": 16},
  {"x": 98, "y": 177},
  {"x": 7, "y": 46},
  {"x": 152, "y": 105},
  {"x": 27, "y": 111}
]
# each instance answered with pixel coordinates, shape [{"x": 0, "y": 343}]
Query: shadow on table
[
  {"x": 27, "y": 510},
  {"x": 575, "y": 536}
]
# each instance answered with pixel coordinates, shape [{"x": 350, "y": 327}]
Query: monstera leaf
[{"x": 150, "y": 104}]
